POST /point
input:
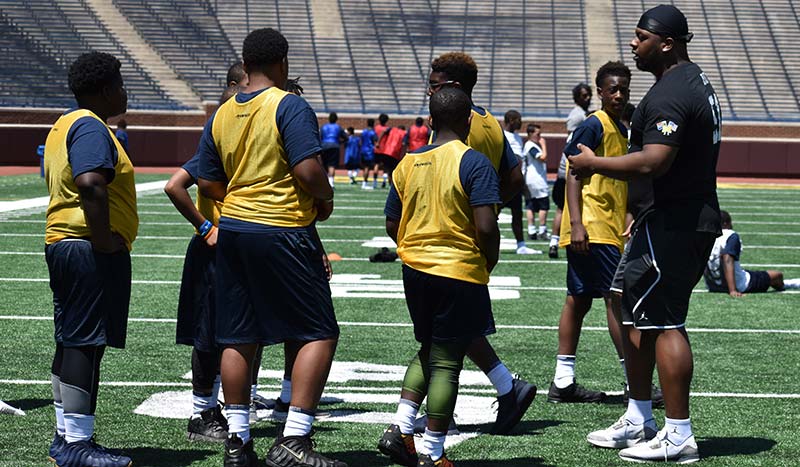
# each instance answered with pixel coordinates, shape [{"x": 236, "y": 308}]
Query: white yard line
[{"x": 43, "y": 201}]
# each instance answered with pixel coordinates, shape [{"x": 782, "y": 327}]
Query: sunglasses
[{"x": 435, "y": 86}]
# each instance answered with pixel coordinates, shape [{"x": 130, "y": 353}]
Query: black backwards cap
[{"x": 667, "y": 21}]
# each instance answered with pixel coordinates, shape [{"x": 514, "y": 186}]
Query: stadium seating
[{"x": 44, "y": 37}]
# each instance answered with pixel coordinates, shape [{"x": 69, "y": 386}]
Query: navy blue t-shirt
[
  {"x": 733, "y": 246},
  {"x": 192, "y": 166},
  {"x": 590, "y": 134},
  {"x": 297, "y": 125},
  {"x": 122, "y": 137},
  {"x": 477, "y": 176},
  {"x": 90, "y": 147}
]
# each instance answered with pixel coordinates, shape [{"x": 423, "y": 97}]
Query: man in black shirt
[{"x": 675, "y": 137}]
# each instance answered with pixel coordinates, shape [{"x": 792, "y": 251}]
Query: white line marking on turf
[{"x": 43, "y": 201}]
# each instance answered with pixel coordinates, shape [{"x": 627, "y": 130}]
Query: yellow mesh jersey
[
  {"x": 437, "y": 230},
  {"x": 485, "y": 136},
  {"x": 65, "y": 217},
  {"x": 604, "y": 199},
  {"x": 261, "y": 188}
]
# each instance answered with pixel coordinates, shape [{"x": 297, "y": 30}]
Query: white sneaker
[
  {"x": 7, "y": 409},
  {"x": 523, "y": 250},
  {"x": 791, "y": 284},
  {"x": 661, "y": 448},
  {"x": 623, "y": 434}
]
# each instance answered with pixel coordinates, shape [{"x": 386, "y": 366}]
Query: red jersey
[{"x": 417, "y": 137}]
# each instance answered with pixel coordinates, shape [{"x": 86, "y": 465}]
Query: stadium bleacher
[{"x": 373, "y": 56}]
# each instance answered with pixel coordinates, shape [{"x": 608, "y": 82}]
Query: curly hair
[
  {"x": 264, "y": 47},
  {"x": 458, "y": 66},
  {"x": 611, "y": 69},
  {"x": 91, "y": 71}
]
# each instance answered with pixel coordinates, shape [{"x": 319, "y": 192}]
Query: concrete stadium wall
[{"x": 169, "y": 139}]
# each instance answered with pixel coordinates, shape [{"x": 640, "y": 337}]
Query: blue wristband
[{"x": 205, "y": 227}]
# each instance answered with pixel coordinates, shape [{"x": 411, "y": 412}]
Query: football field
[{"x": 746, "y": 387}]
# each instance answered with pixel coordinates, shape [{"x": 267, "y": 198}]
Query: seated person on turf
[
  {"x": 724, "y": 273},
  {"x": 591, "y": 230},
  {"x": 441, "y": 212}
]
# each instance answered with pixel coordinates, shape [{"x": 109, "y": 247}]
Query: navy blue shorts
[
  {"x": 514, "y": 203},
  {"x": 759, "y": 282},
  {"x": 330, "y": 157},
  {"x": 388, "y": 162},
  {"x": 367, "y": 159},
  {"x": 91, "y": 294},
  {"x": 272, "y": 288},
  {"x": 445, "y": 309},
  {"x": 538, "y": 204},
  {"x": 559, "y": 192},
  {"x": 592, "y": 274},
  {"x": 197, "y": 302}
]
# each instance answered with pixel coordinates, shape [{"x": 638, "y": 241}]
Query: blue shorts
[
  {"x": 592, "y": 274},
  {"x": 196, "y": 304},
  {"x": 759, "y": 282},
  {"x": 91, "y": 294},
  {"x": 367, "y": 158},
  {"x": 445, "y": 309},
  {"x": 272, "y": 288}
]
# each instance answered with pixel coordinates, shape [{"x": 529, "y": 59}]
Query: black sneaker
[
  {"x": 88, "y": 453},
  {"x": 280, "y": 406},
  {"x": 533, "y": 236},
  {"x": 512, "y": 406},
  {"x": 298, "y": 451},
  {"x": 426, "y": 461},
  {"x": 553, "y": 253},
  {"x": 57, "y": 445},
  {"x": 384, "y": 255},
  {"x": 238, "y": 454},
  {"x": 209, "y": 426},
  {"x": 656, "y": 396},
  {"x": 574, "y": 393},
  {"x": 399, "y": 447}
]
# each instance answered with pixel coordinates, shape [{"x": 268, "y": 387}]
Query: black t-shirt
[{"x": 682, "y": 110}]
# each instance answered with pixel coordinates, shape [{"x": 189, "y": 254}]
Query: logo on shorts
[{"x": 667, "y": 127}]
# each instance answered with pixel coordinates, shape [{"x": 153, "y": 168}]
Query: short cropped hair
[
  {"x": 611, "y": 69},
  {"x": 532, "y": 127},
  {"x": 383, "y": 118},
  {"x": 459, "y": 67},
  {"x": 264, "y": 46},
  {"x": 235, "y": 73},
  {"x": 511, "y": 115},
  {"x": 725, "y": 217},
  {"x": 418, "y": 121},
  {"x": 332, "y": 117},
  {"x": 576, "y": 91},
  {"x": 450, "y": 107},
  {"x": 90, "y": 72},
  {"x": 370, "y": 122},
  {"x": 351, "y": 130}
]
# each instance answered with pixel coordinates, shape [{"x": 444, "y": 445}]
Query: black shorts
[
  {"x": 514, "y": 203},
  {"x": 618, "y": 282},
  {"x": 591, "y": 274},
  {"x": 91, "y": 294},
  {"x": 272, "y": 288},
  {"x": 353, "y": 164},
  {"x": 538, "y": 204},
  {"x": 197, "y": 302},
  {"x": 445, "y": 309},
  {"x": 388, "y": 163},
  {"x": 759, "y": 282},
  {"x": 559, "y": 192},
  {"x": 662, "y": 268},
  {"x": 330, "y": 157}
]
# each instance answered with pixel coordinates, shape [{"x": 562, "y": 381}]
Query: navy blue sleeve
[
  {"x": 589, "y": 133},
  {"x": 209, "y": 164},
  {"x": 299, "y": 129},
  {"x": 509, "y": 159},
  {"x": 479, "y": 179},
  {"x": 733, "y": 246},
  {"x": 405, "y": 138},
  {"x": 394, "y": 207},
  {"x": 90, "y": 147},
  {"x": 192, "y": 166}
]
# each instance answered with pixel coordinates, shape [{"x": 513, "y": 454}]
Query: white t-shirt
[
  {"x": 515, "y": 141},
  {"x": 576, "y": 116},
  {"x": 729, "y": 244},
  {"x": 535, "y": 170}
]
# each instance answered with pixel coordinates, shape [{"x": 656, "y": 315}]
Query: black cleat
[
  {"x": 280, "y": 406},
  {"x": 574, "y": 393},
  {"x": 426, "y": 461},
  {"x": 209, "y": 426},
  {"x": 88, "y": 453},
  {"x": 298, "y": 451},
  {"x": 553, "y": 253},
  {"x": 533, "y": 236},
  {"x": 57, "y": 445},
  {"x": 656, "y": 396},
  {"x": 238, "y": 454},
  {"x": 399, "y": 447},
  {"x": 512, "y": 406}
]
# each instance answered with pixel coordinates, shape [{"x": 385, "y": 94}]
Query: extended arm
[
  {"x": 728, "y": 265},
  {"x": 177, "y": 189},
  {"x": 579, "y": 239},
  {"x": 652, "y": 161}
]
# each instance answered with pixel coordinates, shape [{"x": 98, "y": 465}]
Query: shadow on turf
[
  {"x": 527, "y": 427},
  {"x": 375, "y": 459},
  {"x": 725, "y": 447},
  {"x": 159, "y": 457},
  {"x": 30, "y": 404}
]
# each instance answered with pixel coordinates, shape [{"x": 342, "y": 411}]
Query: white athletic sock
[
  {"x": 253, "y": 391},
  {"x": 542, "y": 229},
  {"x": 501, "y": 378},
  {"x": 531, "y": 229},
  {"x": 78, "y": 427},
  {"x": 565, "y": 371},
  {"x": 59, "y": 417},
  {"x": 330, "y": 181},
  {"x": 238, "y": 417},
  {"x": 286, "y": 390},
  {"x": 298, "y": 422},
  {"x": 201, "y": 403},
  {"x": 791, "y": 283},
  {"x": 433, "y": 444},
  {"x": 405, "y": 416},
  {"x": 624, "y": 371},
  {"x": 554, "y": 240},
  {"x": 678, "y": 430},
  {"x": 215, "y": 390},
  {"x": 639, "y": 411}
]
